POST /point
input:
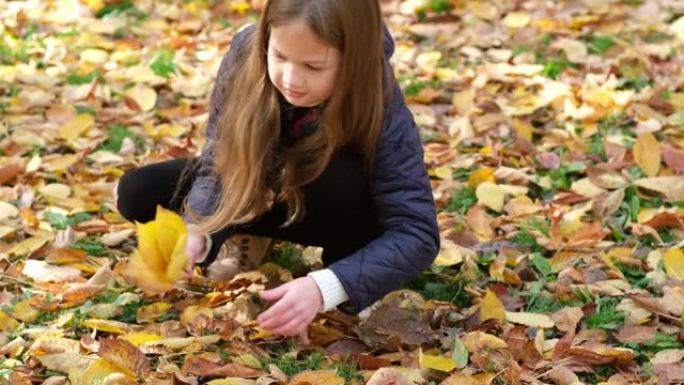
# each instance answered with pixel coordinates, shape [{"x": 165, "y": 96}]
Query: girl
[{"x": 308, "y": 140}]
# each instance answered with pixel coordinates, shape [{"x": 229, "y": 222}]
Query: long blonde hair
[{"x": 249, "y": 160}]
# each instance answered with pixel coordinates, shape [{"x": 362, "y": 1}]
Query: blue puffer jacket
[{"x": 399, "y": 186}]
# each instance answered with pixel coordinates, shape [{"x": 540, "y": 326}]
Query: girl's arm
[{"x": 402, "y": 195}]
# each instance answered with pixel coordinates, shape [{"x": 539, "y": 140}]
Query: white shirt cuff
[{"x": 331, "y": 288}]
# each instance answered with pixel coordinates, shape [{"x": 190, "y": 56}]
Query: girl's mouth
[{"x": 293, "y": 94}]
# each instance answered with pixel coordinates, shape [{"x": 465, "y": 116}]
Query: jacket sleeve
[
  {"x": 206, "y": 185},
  {"x": 405, "y": 207}
]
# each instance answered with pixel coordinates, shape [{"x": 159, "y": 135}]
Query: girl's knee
[{"x": 127, "y": 192}]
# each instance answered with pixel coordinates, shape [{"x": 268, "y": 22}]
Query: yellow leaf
[
  {"x": 94, "y": 56},
  {"x": 160, "y": 258},
  {"x": 139, "y": 338},
  {"x": 491, "y": 307},
  {"x": 516, "y": 20},
  {"x": 318, "y": 377},
  {"x": 459, "y": 378},
  {"x": 491, "y": 195},
  {"x": 102, "y": 372},
  {"x": 530, "y": 319},
  {"x": 7, "y": 322},
  {"x": 443, "y": 172},
  {"x": 107, "y": 326},
  {"x": 144, "y": 97},
  {"x": 151, "y": 312},
  {"x": 7, "y": 211},
  {"x": 451, "y": 254},
  {"x": 480, "y": 176},
  {"x": 443, "y": 364},
  {"x": 427, "y": 61},
  {"x": 55, "y": 192},
  {"x": 28, "y": 246},
  {"x": 647, "y": 154},
  {"x": 247, "y": 359},
  {"x": 76, "y": 127},
  {"x": 478, "y": 341},
  {"x": 260, "y": 333},
  {"x": 192, "y": 312},
  {"x": 523, "y": 129},
  {"x": 240, "y": 7},
  {"x": 23, "y": 311},
  {"x": 95, "y": 5},
  {"x": 674, "y": 263}
]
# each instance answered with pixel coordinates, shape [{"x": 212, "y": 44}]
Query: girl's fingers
[
  {"x": 276, "y": 319},
  {"x": 292, "y": 328}
]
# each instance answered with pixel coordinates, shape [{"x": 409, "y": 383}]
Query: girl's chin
[{"x": 299, "y": 102}]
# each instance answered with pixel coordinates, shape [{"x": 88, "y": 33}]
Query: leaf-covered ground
[{"x": 554, "y": 135}]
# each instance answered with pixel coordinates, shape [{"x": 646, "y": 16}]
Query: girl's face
[{"x": 300, "y": 65}]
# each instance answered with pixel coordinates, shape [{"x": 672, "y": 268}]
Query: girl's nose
[{"x": 291, "y": 78}]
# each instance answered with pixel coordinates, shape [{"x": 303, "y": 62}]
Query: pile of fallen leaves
[{"x": 554, "y": 136}]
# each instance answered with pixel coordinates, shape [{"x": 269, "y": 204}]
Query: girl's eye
[{"x": 313, "y": 68}]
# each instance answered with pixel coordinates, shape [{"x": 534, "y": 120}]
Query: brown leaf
[
  {"x": 563, "y": 345},
  {"x": 669, "y": 373},
  {"x": 124, "y": 354},
  {"x": 567, "y": 318},
  {"x": 64, "y": 255},
  {"x": 674, "y": 159},
  {"x": 606, "y": 179},
  {"x": 563, "y": 376},
  {"x": 9, "y": 172},
  {"x": 369, "y": 362},
  {"x": 665, "y": 220},
  {"x": 400, "y": 315},
  {"x": 346, "y": 347},
  {"x": 608, "y": 203},
  {"x": 594, "y": 353},
  {"x": 480, "y": 222},
  {"x": 205, "y": 368},
  {"x": 549, "y": 160},
  {"x": 647, "y": 154},
  {"x": 78, "y": 294}
]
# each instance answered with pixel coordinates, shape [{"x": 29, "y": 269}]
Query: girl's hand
[
  {"x": 195, "y": 249},
  {"x": 298, "y": 302}
]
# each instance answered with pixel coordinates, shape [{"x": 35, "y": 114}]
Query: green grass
[
  {"x": 91, "y": 246},
  {"x": 77, "y": 80},
  {"x": 115, "y": 137},
  {"x": 350, "y": 372},
  {"x": 606, "y": 317},
  {"x": 525, "y": 239},
  {"x": 61, "y": 221},
  {"x": 291, "y": 366},
  {"x": 433, "y": 286},
  {"x": 462, "y": 200},
  {"x": 162, "y": 63},
  {"x": 599, "y": 44}
]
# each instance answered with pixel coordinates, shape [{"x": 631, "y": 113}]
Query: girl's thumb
[{"x": 274, "y": 294}]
